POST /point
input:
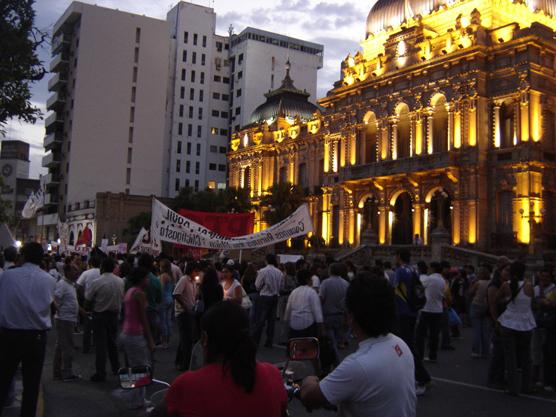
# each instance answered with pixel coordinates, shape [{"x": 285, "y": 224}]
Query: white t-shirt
[
  {"x": 378, "y": 380},
  {"x": 66, "y": 298},
  {"x": 315, "y": 282},
  {"x": 87, "y": 277},
  {"x": 303, "y": 308},
  {"x": 434, "y": 285}
]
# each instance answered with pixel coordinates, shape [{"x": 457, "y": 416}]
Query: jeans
[
  {"x": 480, "y": 327},
  {"x": 517, "y": 354},
  {"x": 406, "y": 331},
  {"x": 265, "y": 313},
  {"x": 185, "y": 327},
  {"x": 26, "y": 347},
  {"x": 135, "y": 348},
  {"x": 64, "y": 350},
  {"x": 165, "y": 319},
  {"x": 428, "y": 324},
  {"x": 105, "y": 331},
  {"x": 334, "y": 326}
]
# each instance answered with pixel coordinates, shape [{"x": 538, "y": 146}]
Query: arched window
[
  {"x": 369, "y": 139},
  {"x": 404, "y": 132},
  {"x": 507, "y": 131},
  {"x": 439, "y": 125}
]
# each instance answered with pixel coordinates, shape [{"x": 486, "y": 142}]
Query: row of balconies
[
  {"x": 56, "y": 82},
  {"x": 52, "y": 140},
  {"x": 56, "y": 101},
  {"x": 59, "y": 62},
  {"x": 50, "y": 160},
  {"x": 53, "y": 122}
]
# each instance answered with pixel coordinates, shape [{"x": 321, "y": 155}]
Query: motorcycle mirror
[
  {"x": 135, "y": 377},
  {"x": 303, "y": 349}
]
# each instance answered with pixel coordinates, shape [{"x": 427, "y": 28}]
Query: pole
[{"x": 240, "y": 255}]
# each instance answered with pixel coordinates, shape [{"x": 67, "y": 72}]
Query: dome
[
  {"x": 387, "y": 13},
  {"x": 286, "y": 101}
]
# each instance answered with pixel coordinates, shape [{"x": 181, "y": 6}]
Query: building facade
[{"x": 442, "y": 126}]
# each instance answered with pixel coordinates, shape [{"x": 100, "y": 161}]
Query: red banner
[{"x": 225, "y": 224}]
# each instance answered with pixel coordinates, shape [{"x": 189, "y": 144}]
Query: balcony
[
  {"x": 50, "y": 160},
  {"x": 56, "y": 101},
  {"x": 51, "y": 180},
  {"x": 58, "y": 42},
  {"x": 58, "y": 62},
  {"x": 56, "y": 82},
  {"x": 51, "y": 141},
  {"x": 50, "y": 199},
  {"x": 52, "y": 122}
]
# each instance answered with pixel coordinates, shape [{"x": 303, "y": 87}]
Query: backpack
[{"x": 416, "y": 298}]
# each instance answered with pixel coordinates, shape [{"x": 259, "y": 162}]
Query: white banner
[
  {"x": 169, "y": 226},
  {"x": 143, "y": 244}
]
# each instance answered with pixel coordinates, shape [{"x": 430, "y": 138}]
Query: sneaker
[
  {"x": 98, "y": 378},
  {"x": 420, "y": 390},
  {"x": 429, "y": 360},
  {"x": 72, "y": 377}
]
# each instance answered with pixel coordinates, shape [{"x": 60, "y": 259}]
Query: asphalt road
[{"x": 458, "y": 389}]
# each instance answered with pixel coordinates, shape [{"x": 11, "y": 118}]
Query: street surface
[{"x": 458, "y": 389}]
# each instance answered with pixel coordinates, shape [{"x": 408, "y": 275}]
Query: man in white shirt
[
  {"x": 26, "y": 295},
  {"x": 104, "y": 295},
  {"x": 84, "y": 280},
  {"x": 67, "y": 309},
  {"x": 378, "y": 380},
  {"x": 269, "y": 282},
  {"x": 303, "y": 310},
  {"x": 431, "y": 314}
]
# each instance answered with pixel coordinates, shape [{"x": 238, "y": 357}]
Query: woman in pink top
[{"x": 136, "y": 339}]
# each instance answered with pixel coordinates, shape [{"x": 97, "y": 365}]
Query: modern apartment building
[{"x": 105, "y": 132}]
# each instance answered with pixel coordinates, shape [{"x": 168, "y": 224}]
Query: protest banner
[
  {"x": 143, "y": 244},
  {"x": 169, "y": 226}
]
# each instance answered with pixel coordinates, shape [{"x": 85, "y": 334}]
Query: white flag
[{"x": 143, "y": 244}]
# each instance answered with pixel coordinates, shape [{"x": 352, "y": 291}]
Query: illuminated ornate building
[{"x": 442, "y": 125}]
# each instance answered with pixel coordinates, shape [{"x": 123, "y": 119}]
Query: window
[
  {"x": 224, "y": 132},
  {"x": 189, "y": 130},
  {"x": 226, "y": 80},
  {"x": 224, "y": 114},
  {"x": 184, "y": 56},
  {"x": 191, "y": 112},
  {"x": 216, "y": 96},
  {"x": 136, "y": 55},
  {"x": 202, "y": 77},
  {"x": 238, "y": 92},
  {"x": 181, "y": 110},
  {"x": 133, "y": 92},
  {"x": 223, "y": 149},
  {"x": 192, "y": 76},
  {"x": 226, "y": 47},
  {"x": 135, "y": 70},
  {"x": 198, "y": 149},
  {"x": 177, "y": 184},
  {"x": 183, "y": 74},
  {"x": 137, "y": 35},
  {"x": 240, "y": 75},
  {"x": 185, "y": 37},
  {"x": 194, "y": 58},
  {"x": 238, "y": 110},
  {"x": 200, "y": 116},
  {"x": 204, "y": 41},
  {"x": 197, "y": 168},
  {"x": 203, "y": 59},
  {"x": 182, "y": 92},
  {"x": 213, "y": 148},
  {"x": 201, "y": 95},
  {"x": 272, "y": 81},
  {"x": 196, "y": 185},
  {"x": 128, "y": 176},
  {"x": 191, "y": 94},
  {"x": 187, "y": 166},
  {"x": 222, "y": 167},
  {"x": 273, "y": 63},
  {"x": 212, "y": 167},
  {"x": 217, "y": 78},
  {"x": 199, "y": 131},
  {"x": 189, "y": 148},
  {"x": 131, "y": 114},
  {"x": 215, "y": 113},
  {"x": 179, "y": 146},
  {"x": 211, "y": 185},
  {"x": 195, "y": 39},
  {"x": 130, "y": 137},
  {"x": 225, "y": 97},
  {"x": 240, "y": 59},
  {"x": 213, "y": 131},
  {"x": 187, "y": 183},
  {"x": 219, "y": 46},
  {"x": 178, "y": 165},
  {"x": 180, "y": 128}
]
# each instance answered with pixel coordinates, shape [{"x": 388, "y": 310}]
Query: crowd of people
[{"x": 127, "y": 307}]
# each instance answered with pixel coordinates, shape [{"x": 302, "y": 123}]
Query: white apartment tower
[{"x": 106, "y": 128}]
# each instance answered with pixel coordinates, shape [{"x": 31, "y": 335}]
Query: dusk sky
[{"x": 338, "y": 25}]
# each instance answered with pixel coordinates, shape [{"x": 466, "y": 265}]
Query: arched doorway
[
  {"x": 369, "y": 139},
  {"x": 441, "y": 212},
  {"x": 439, "y": 125},
  {"x": 507, "y": 128},
  {"x": 404, "y": 132},
  {"x": 402, "y": 221}
]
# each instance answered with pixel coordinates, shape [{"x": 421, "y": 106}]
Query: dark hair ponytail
[
  {"x": 227, "y": 328},
  {"x": 517, "y": 272}
]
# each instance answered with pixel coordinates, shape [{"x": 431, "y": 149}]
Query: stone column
[
  {"x": 383, "y": 235},
  {"x": 417, "y": 219},
  {"x": 326, "y": 155},
  {"x": 394, "y": 141},
  {"x": 429, "y": 133},
  {"x": 418, "y": 134},
  {"x": 352, "y": 148},
  {"x": 260, "y": 177},
  {"x": 457, "y": 128},
  {"x": 472, "y": 114},
  {"x": 450, "y": 109},
  {"x": 524, "y": 117}
]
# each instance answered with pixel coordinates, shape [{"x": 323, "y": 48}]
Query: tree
[
  {"x": 281, "y": 201},
  {"x": 215, "y": 201},
  {"x": 19, "y": 63}
]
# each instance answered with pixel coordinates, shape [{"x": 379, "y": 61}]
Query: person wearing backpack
[{"x": 410, "y": 298}]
